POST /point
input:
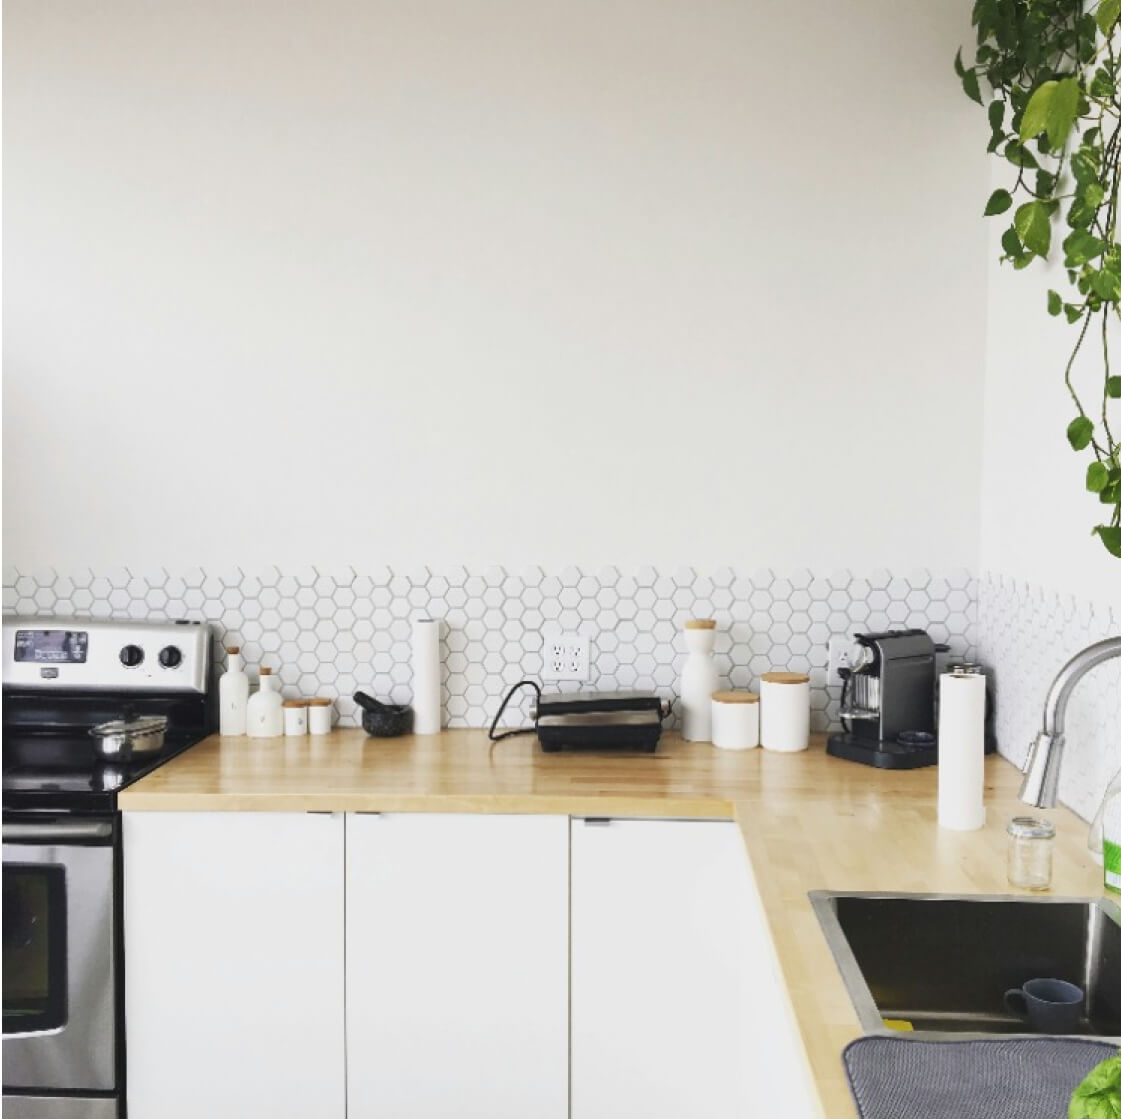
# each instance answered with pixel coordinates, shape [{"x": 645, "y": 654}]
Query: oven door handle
[{"x": 59, "y": 831}]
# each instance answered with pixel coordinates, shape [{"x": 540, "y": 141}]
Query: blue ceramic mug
[{"x": 1051, "y": 1006}]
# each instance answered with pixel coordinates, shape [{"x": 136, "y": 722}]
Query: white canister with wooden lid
[
  {"x": 735, "y": 720},
  {"x": 784, "y": 711},
  {"x": 319, "y": 715}
]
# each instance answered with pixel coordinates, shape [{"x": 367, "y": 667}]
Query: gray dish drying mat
[{"x": 998, "y": 1078}]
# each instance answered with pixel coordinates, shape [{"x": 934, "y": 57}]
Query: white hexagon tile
[
  {"x": 1028, "y": 633},
  {"x": 329, "y": 631}
]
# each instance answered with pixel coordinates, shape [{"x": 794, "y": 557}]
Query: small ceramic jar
[
  {"x": 295, "y": 716},
  {"x": 735, "y": 720},
  {"x": 319, "y": 715},
  {"x": 784, "y": 711}
]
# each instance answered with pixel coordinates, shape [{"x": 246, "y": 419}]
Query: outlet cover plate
[
  {"x": 840, "y": 656},
  {"x": 566, "y": 656}
]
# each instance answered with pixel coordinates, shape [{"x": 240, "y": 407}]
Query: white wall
[
  {"x": 638, "y": 281},
  {"x": 1036, "y": 516}
]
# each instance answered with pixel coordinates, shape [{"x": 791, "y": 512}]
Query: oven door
[{"x": 59, "y": 959}]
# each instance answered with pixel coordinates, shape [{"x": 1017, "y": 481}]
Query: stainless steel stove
[{"x": 63, "y": 1045}]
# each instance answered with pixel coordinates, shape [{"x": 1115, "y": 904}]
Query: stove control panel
[{"x": 95, "y": 654}]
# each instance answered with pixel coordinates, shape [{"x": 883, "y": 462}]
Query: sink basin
[{"x": 943, "y": 962}]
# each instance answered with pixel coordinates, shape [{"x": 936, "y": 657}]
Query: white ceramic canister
[
  {"x": 735, "y": 720},
  {"x": 295, "y": 716},
  {"x": 319, "y": 715},
  {"x": 264, "y": 713},
  {"x": 698, "y": 680},
  {"x": 784, "y": 711},
  {"x": 233, "y": 694}
]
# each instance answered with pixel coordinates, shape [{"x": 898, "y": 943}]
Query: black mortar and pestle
[{"x": 384, "y": 720}]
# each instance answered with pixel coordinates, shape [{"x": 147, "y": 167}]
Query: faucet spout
[{"x": 1041, "y": 774}]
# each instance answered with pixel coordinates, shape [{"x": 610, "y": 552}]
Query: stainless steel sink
[{"x": 943, "y": 962}]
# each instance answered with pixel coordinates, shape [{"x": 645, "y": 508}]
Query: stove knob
[
  {"x": 132, "y": 656},
  {"x": 171, "y": 656}
]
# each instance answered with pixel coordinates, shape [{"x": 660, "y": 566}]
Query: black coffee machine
[{"x": 888, "y": 702}]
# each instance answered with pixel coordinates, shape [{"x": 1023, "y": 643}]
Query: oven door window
[{"x": 34, "y": 948}]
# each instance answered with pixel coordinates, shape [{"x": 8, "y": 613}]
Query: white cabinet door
[
  {"x": 234, "y": 965},
  {"x": 661, "y": 955},
  {"x": 457, "y": 966}
]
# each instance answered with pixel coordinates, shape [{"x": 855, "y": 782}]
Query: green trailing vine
[{"x": 1052, "y": 76}]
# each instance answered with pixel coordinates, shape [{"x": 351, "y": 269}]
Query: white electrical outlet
[
  {"x": 841, "y": 654},
  {"x": 565, "y": 656}
]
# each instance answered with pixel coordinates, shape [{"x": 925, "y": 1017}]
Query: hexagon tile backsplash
[
  {"x": 1028, "y": 633},
  {"x": 329, "y": 631}
]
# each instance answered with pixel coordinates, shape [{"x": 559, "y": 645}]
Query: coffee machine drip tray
[{"x": 911, "y": 750}]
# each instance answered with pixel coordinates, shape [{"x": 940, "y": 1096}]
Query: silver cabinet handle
[{"x": 59, "y": 831}]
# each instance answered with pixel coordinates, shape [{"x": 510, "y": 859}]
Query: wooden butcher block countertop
[{"x": 809, "y": 822}]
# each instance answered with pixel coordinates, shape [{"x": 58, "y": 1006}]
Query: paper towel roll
[
  {"x": 426, "y": 676},
  {"x": 961, "y": 752}
]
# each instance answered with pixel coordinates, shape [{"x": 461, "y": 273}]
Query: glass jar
[{"x": 1030, "y": 843}]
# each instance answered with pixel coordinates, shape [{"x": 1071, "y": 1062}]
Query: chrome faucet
[{"x": 1041, "y": 774}]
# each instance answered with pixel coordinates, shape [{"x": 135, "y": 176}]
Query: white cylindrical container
[
  {"x": 426, "y": 676},
  {"x": 264, "y": 713},
  {"x": 784, "y": 711},
  {"x": 295, "y": 716},
  {"x": 233, "y": 694},
  {"x": 735, "y": 720},
  {"x": 961, "y": 751},
  {"x": 319, "y": 715},
  {"x": 698, "y": 680}
]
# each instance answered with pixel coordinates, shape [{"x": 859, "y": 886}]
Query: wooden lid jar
[
  {"x": 784, "y": 711},
  {"x": 735, "y": 720}
]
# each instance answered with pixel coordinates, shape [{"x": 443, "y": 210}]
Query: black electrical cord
[{"x": 509, "y": 696}]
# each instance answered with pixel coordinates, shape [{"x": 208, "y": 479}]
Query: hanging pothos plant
[{"x": 1052, "y": 69}]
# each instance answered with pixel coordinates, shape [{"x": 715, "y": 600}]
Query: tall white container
[
  {"x": 698, "y": 680},
  {"x": 784, "y": 711},
  {"x": 265, "y": 709},
  {"x": 961, "y": 751},
  {"x": 426, "y": 676},
  {"x": 233, "y": 694}
]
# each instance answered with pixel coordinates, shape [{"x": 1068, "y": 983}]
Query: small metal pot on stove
[{"x": 122, "y": 739}]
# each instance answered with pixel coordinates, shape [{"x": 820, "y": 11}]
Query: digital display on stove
[{"x": 52, "y": 646}]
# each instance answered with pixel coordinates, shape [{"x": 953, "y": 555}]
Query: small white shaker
[
  {"x": 295, "y": 716},
  {"x": 698, "y": 680},
  {"x": 784, "y": 715},
  {"x": 319, "y": 715}
]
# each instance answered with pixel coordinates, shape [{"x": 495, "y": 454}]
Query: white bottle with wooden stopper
[
  {"x": 698, "y": 680},
  {"x": 735, "y": 720},
  {"x": 265, "y": 709},
  {"x": 233, "y": 694},
  {"x": 784, "y": 711}
]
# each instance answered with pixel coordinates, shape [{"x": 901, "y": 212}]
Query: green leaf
[
  {"x": 1113, "y": 387},
  {"x": 1039, "y": 106},
  {"x": 1019, "y": 156},
  {"x": 1079, "y": 432},
  {"x": 970, "y": 85},
  {"x": 1033, "y": 224},
  {"x": 1044, "y": 182},
  {"x": 1054, "y": 303},
  {"x": 1097, "y": 477},
  {"x": 1062, "y": 111},
  {"x": 999, "y": 202},
  {"x": 1099, "y": 1095},
  {"x": 1107, "y": 15},
  {"x": 959, "y": 66},
  {"x": 1102, "y": 84},
  {"x": 1084, "y": 164},
  {"x": 1010, "y": 243},
  {"x": 1072, "y": 312},
  {"x": 1093, "y": 194},
  {"x": 1101, "y": 1105},
  {"x": 996, "y": 114},
  {"x": 1107, "y": 284},
  {"x": 1082, "y": 247}
]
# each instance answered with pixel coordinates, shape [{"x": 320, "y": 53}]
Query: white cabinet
[
  {"x": 677, "y": 1008},
  {"x": 234, "y": 965},
  {"x": 457, "y": 966}
]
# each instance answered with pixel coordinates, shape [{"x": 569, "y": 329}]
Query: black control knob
[
  {"x": 171, "y": 656},
  {"x": 132, "y": 656}
]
